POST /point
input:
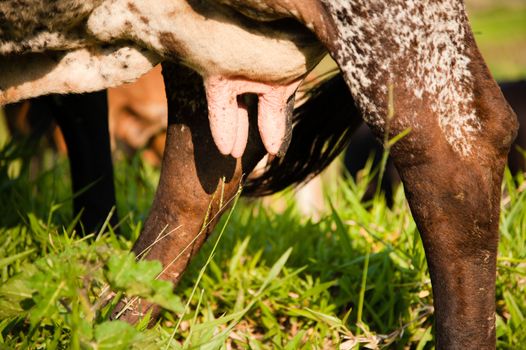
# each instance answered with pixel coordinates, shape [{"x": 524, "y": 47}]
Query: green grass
[
  {"x": 500, "y": 33},
  {"x": 274, "y": 280}
]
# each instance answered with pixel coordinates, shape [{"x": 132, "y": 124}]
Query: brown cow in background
[{"x": 138, "y": 116}]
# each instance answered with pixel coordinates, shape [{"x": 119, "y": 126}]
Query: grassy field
[
  {"x": 265, "y": 280},
  {"x": 356, "y": 277}
]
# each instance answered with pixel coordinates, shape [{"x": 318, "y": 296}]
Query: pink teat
[{"x": 229, "y": 120}]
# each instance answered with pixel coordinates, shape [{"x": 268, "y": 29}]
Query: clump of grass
[{"x": 273, "y": 280}]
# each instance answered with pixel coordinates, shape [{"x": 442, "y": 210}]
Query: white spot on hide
[{"x": 376, "y": 38}]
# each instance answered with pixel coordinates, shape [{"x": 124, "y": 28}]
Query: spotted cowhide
[{"x": 410, "y": 65}]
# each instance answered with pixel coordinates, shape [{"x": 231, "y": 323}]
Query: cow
[{"x": 412, "y": 68}]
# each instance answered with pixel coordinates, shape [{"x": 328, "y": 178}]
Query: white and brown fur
[{"x": 87, "y": 46}]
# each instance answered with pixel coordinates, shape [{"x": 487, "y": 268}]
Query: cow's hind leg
[
  {"x": 452, "y": 178},
  {"x": 197, "y": 183},
  {"x": 414, "y": 65},
  {"x": 455, "y": 201}
]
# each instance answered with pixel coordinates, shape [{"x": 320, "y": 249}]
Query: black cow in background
[{"x": 83, "y": 120}]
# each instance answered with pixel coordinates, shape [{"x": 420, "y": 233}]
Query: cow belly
[{"x": 82, "y": 70}]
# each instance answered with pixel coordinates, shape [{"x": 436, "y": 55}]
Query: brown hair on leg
[
  {"x": 197, "y": 183},
  {"x": 414, "y": 65}
]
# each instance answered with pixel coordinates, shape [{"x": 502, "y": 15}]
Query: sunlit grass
[
  {"x": 275, "y": 280},
  {"x": 500, "y": 33}
]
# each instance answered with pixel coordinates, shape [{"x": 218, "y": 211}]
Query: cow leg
[
  {"x": 414, "y": 66},
  {"x": 451, "y": 164},
  {"x": 196, "y": 184},
  {"x": 83, "y": 120},
  {"x": 455, "y": 203},
  {"x": 454, "y": 198}
]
